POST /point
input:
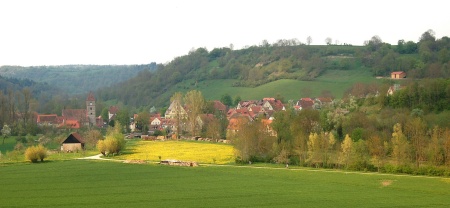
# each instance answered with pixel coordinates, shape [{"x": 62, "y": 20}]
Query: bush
[
  {"x": 101, "y": 147},
  {"x": 35, "y": 153}
]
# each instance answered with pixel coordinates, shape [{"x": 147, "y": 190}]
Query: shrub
[
  {"x": 42, "y": 152},
  {"x": 14, "y": 155},
  {"x": 101, "y": 147},
  {"x": 31, "y": 154},
  {"x": 35, "y": 153}
]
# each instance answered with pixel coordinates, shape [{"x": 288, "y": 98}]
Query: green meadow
[
  {"x": 83, "y": 183},
  {"x": 334, "y": 81}
]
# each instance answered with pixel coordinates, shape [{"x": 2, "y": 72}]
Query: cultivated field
[
  {"x": 200, "y": 152},
  {"x": 82, "y": 183}
]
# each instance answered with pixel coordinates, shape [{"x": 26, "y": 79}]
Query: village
[
  {"x": 172, "y": 124},
  {"x": 249, "y": 110}
]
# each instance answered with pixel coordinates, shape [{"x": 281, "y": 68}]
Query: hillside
[
  {"x": 286, "y": 68},
  {"x": 76, "y": 79},
  {"x": 37, "y": 89}
]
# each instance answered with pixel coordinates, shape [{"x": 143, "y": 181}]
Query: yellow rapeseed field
[{"x": 182, "y": 150}]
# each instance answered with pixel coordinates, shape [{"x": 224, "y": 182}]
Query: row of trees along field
[
  {"x": 284, "y": 59},
  {"x": 386, "y": 133}
]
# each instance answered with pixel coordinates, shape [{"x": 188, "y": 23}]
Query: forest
[{"x": 76, "y": 79}]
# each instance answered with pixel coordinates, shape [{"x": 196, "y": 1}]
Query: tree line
[{"x": 359, "y": 133}]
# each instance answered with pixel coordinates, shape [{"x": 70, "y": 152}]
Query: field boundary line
[{"x": 328, "y": 171}]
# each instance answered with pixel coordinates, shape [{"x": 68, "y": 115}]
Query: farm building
[
  {"x": 398, "y": 75},
  {"x": 73, "y": 142}
]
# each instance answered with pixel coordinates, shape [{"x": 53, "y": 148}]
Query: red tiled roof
[
  {"x": 398, "y": 72},
  {"x": 113, "y": 109},
  {"x": 50, "y": 118},
  {"x": 219, "y": 106},
  {"x": 73, "y": 124},
  {"x": 269, "y": 99},
  {"x": 305, "y": 103},
  {"x": 90, "y": 97},
  {"x": 74, "y": 114}
]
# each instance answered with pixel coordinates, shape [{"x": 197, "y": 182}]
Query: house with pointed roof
[
  {"x": 74, "y": 142},
  {"x": 175, "y": 110},
  {"x": 398, "y": 75},
  {"x": 219, "y": 106},
  {"x": 48, "y": 120},
  {"x": 112, "y": 112},
  {"x": 304, "y": 103}
]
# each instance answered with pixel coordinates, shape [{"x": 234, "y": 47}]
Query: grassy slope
[
  {"x": 108, "y": 184},
  {"x": 335, "y": 81}
]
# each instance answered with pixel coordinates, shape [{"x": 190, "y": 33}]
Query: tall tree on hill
[
  {"x": 328, "y": 41},
  {"x": 309, "y": 40},
  {"x": 195, "y": 103}
]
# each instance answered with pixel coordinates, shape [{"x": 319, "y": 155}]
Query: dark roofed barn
[{"x": 72, "y": 143}]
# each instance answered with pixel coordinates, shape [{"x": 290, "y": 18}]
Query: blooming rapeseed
[{"x": 182, "y": 150}]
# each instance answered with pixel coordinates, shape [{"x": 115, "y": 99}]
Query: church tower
[{"x": 90, "y": 108}]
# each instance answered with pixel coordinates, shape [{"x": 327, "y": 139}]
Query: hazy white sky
[{"x": 58, "y": 32}]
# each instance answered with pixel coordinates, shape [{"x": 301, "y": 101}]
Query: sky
[{"x": 102, "y": 32}]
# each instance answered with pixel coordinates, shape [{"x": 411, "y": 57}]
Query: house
[
  {"x": 112, "y": 112},
  {"x": 175, "y": 110},
  {"x": 246, "y": 104},
  {"x": 74, "y": 142},
  {"x": 392, "y": 89},
  {"x": 268, "y": 127},
  {"x": 304, "y": 103},
  {"x": 48, "y": 120},
  {"x": 74, "y": 118},
  {"x": 273, "y": 104},
  {"x": 71, "y": 124},
  {"x": 219, "y": 106},
  {"x": 398, "y": 75},
  {"x": 323, "y": 102},
  {"x": 235, "y": 123}
]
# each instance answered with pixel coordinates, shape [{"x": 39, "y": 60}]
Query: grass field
[
  {"x": 81, "y": 183},
  {"x": 201, "y": 152},
  {"x": 9, "y": 144},
  {"x": 335, "y": 81}
]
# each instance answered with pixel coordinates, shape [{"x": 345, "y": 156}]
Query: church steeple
[{"x": 90, "y": 108}]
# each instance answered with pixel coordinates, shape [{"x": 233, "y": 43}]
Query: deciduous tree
[
  {"x": 6, "y": 132},
  {"x": 346, "y": 151},
  {"x": 195, "y": 103},
  {"x": 400, "y": 146},
  {"x": 309, "y": 40}
]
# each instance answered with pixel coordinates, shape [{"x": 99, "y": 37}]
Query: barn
[
  {"x": 72, "y": 143},
  {"x": 398, "y": 75}
]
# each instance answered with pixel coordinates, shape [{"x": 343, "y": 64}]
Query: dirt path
[{"x": 98, "y": 157}]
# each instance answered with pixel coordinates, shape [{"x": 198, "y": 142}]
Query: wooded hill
[
  {"x": 76, "y": 79},
  {"x": 285, "y": 69},
  {"x": 234, "y": 71}
]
